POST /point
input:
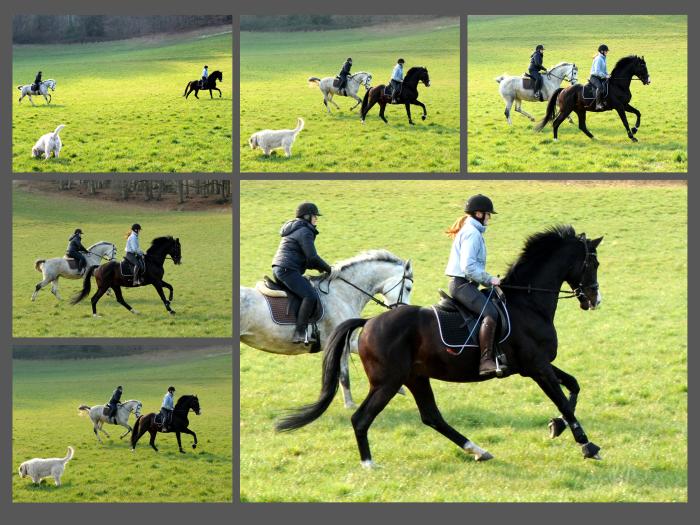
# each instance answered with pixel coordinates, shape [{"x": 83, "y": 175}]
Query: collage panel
[
  {"x": 104, "y": 93},
  {"x": 549, "y": 101},
  {"x": 76, "y": 243},
  {"x": 358, "y": 94},
  {"x": 116, "y": 423},
  {"x": 578, "y": 265}
]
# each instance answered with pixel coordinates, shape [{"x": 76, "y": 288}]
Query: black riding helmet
[
  {"x": 206, "y": 66},
  {"x": 480, "y": 203},
  {"x": 78, "y": 231},
  {"x": 349, "y": 59},
  {"x": 539, "y": 47},
  {"x": 307, "y": 208},
  {"x": 400, "y": 61},
  {"x": 171, "y": 389},
  {"x": 120, "y": 387},
  {"x": 136, "y": 227},
  {"x": 602, "y": 47}
]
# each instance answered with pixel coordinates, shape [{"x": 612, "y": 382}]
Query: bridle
[
  {"x": 572, "y": 78},
  {"x": 565, "y": 294},
  {"x": 399, "y": 300},
  {"x": 110, "y": 258}
]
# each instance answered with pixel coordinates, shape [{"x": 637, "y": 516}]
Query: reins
[
  {"x": 567, "y": 294},
  {"x": 369, "y": 295}
]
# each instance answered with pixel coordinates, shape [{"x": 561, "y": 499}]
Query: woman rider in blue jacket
[
  {"x": 296, "y": 254},
  {"x": 467, "y": 267}
]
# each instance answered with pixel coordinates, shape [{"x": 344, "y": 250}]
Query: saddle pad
[
  {"x": 589, "y": 91},
  {"x": 278, "y": 307},
  {"x": 454, "y": 333},
  {"x": 336, "y": 82},
  {"x": 72, "y": 263},
  {"x": 126, "y": 268},
  {"x": 528, "y": 83}
]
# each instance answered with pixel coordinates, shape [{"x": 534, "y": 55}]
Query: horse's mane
[
  {"x": 538, "y": 247},
  {"x": 159, "y": 241},
  {"x": 368, "y": 256},
  {"x": 561, "y": 64},
  {"x": 184, "y": 398},
  {"x": 98, "y": 243},
  {"x": 624, "y": 62},
  {"x": 414, "y": 70}
]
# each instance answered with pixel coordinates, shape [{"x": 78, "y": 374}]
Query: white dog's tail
[
  {"x": 58, "y": 129},
  {"x": 69, "y": 456},
  {"x": 300, "y": 125}
]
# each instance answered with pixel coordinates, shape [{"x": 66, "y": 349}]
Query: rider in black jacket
[
  {"x": 113, "y": 401},
  {"x": 37, "y": 82},
  {"x": 296, "y": 254},
  {"x": 535, "y": 68},
  {"x": 75, "y": 247},
  {"x": 344, "y": 72}
]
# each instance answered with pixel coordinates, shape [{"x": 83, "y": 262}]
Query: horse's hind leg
[
  {"x": 430, "y": 415},
  {"x": 359, "y": 101},
  {"x": 519, "y": 109},
  {"x": 557, "y": 122},
  {"x": 128, "y": 429},
  {"x": 120, "y": 299},
  {"x": 582, "y": 123},
  {"x": 345, "y": 380},
  {"x": 376, "y": 400},
  {"x": 99, "y": 293},
  {"x": 557, "y": 425},
  {"x": 152, "y": 441},
  {"x": 382, "y": 107},
  {"x": 38, "y": 287},
  {"x": 95, "y": 429},
  {"x": 548, "y": 381},
  {"x": 54, "y": 289}
]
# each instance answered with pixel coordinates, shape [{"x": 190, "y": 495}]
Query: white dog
[
  {"x": 269, "y": 139},
  {"x": 39, "y": 468},
  {"x": 48, "y": 143}
]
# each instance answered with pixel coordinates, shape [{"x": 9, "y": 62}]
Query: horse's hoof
[
  {"x": 133, "y": 450},
  {"x": 411, "y": 123},
  {"x": 634, "y": 131},
  {"x": 194, "y": 446},
  {"x": 423, "y": 117},
  {"x": 350, "y": 405},
  {"x": 182, "y": 451},
  {"x": 134, "y": 311},
  {"x": 634, "y": 139},
  {"x": 590, "y": 451},
  {"x": 96, "y": 316},
  {"x": 484, "y": 457},
  {"x": 171, "y": 312},
  {"x": 368, "y": 464},
  {"x": 556, "y": 427}
]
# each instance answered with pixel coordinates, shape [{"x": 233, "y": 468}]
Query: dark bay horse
[
  {"x": 110, "y": 275},
  {"x": 570, "y": 99},
  {"x": 195, "y": 85},
  {"x": 408, "y": 95},
  {"x": 403, "y": 346},
  {"x": 179, "y": 423}
]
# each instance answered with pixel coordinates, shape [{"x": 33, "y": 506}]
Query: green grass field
[
  {"x": 123, "y": 107},
  {"x": 202, "y": 284},
  {"x": 274, "y": 92},
  {"x": 630, "y": 357},
  {"x": 498, "y": 44},
  {"x": 45, "y": 420}
]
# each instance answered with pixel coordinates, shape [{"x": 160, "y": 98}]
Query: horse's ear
[
  {"x": 582, "y": 236},
  {"x": 407, "y": 265},
  {"x": 596, "y": 242}
]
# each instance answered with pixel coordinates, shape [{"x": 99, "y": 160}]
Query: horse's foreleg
[
  {"x": 159, "y": 288},
  {"x": 359, "y": 101},
  {"x": 170, "y": 289},
  {"x": 48, "y": 100},
  {"x": 216, "y": 88},
  {"x": 120, "y": 299},
  {"x": 638, "y": 114},
  {"x": 421, "y": 105},
  {"x": 430, "y": 415},
  {"x": 557, "y": 425},
  {"x": 31, "y": 100},
  {"x": 191, "y": 433},
  {"x": 623, "y": 118},
  {"x": 549, "y": 383}
]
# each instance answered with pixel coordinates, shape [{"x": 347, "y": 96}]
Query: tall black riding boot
[
  {"x": 487, "y": 332},
  {"x": 599, "y": 98},
  {"x": 305, "y": 311}
]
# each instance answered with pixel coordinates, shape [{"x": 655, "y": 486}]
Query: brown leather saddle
[
  {"x": 283, "y": 304},
  {"x": 589, "y": 89},
  {"x": 528, "y": 81}
]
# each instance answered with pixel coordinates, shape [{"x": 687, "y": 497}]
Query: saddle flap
[
  {"x": 105, "y": 410},
  {"x": 589, "y": 91},
  {"x": 336, "y": 81},
  {"x": 72, "y": 263}
]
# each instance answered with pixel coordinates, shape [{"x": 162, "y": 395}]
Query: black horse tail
[
  {"x": 135, "y": 432},
  {"x": 365, "y": 100},
  {"x": 186, "y": 88},
  {"x": 551, "y": 108},
  {"x": 339, "y": 339},
  {"x": 86, "y": 286}
]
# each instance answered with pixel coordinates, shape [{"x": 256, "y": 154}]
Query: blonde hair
[{"x": 453, "y": 230}]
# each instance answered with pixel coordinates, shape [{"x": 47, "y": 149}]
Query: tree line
[
  {"x": 322, "y": 22},
  {"x": 92, "y": 351},
  {"x": 45, "y": 29},
  {"x": 153, "y": 190}
]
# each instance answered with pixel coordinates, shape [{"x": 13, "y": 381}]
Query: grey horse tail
[
  {"x": 551, "y": 105},
  {"x": 84, "y": 407},
  {"x": 500, "y": 79},
  {"x": 38, "y": 263},
  {"x": 20, "y": 87},
  {"x": 314, "y": 79}
]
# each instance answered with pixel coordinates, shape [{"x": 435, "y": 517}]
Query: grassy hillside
[
  {"x": 274, "y": 92},
  {"x": 202, "y": 283},
  {"x": 504, "y": 44},
  {"x": 630, "y": 357},
  {"x": 123, "y": 108}
]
